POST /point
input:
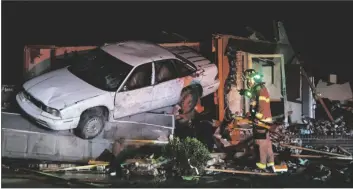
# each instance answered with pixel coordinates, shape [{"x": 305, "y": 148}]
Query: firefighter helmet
[{"x": 251, "y": 74}]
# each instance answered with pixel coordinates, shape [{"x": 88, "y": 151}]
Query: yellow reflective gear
[
  {"x": 270, "y": 164},
  {"x": 259, "y": 115},
  {"x": 261, "y": 165},
  {"x": 267, "y": 120},
  {"x": 263, "y": 98},
  {"x": 263, "y": 126}
]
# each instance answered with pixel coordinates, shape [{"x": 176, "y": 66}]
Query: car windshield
[{"x": 100, "y": 69}]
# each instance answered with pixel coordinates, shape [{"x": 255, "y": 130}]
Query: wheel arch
[
  {"x": 101, "y": 109},
  {"x": 195, "y": 86}
]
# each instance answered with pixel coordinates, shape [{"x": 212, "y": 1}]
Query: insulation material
[
  {"x": 234, "y": 100},
  {"x": 335, "y": 91}
]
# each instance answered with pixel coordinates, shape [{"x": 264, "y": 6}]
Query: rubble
[
  {"x": 156, "y": 168},
  {"x": 320, "y": 172},
  {"x": 188, "y": 159},
  {"x": 324, "y": 127}
]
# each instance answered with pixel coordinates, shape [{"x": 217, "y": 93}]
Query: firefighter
[{"x": 260, "y": 114}]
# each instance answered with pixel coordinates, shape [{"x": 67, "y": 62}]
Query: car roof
[{"x": 137, "y": 52}]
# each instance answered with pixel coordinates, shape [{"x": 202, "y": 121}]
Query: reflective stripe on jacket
[{"x": 262, "y": 104}]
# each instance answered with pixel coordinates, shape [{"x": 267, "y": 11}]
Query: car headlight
[{"x": 52, "y": 111}]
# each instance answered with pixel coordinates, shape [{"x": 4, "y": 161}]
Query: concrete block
[
  {"x": 15, "y": 142},
  {"x": 41, "y": 144}
]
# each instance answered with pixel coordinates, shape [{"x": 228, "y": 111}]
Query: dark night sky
[{"x": 319, "y": 31}]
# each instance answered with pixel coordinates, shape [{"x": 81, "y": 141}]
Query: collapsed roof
[
  {"x": 255, "y": 46},
  {"x": 340, "y": 92}
]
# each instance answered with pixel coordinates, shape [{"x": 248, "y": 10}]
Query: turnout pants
[{"x": 265, "y": 152}]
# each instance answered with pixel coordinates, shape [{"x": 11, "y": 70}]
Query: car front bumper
[{"x": 36, "y": 114}]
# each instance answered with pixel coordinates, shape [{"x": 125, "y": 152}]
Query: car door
[
  {"x": 135, "y": 96},
  {"x": 167, "y": 86}
]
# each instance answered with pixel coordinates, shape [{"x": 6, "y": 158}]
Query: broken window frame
[
  {"x": 186, "y": 65},
  {"x": 163, "y": 62},
  {"x": 125, "y": 88},
  {"x": 267, "y": 62}
]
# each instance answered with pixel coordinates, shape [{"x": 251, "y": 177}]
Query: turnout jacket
[{"x": 260, "y": 105}]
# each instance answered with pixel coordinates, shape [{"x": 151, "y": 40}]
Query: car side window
[
  {"x": 183, "y": 69},
  {"x": 141, "y": 77},
  {"x": 165, "y": 71}
]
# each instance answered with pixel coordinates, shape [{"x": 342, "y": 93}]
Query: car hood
[{"x": 59, "y": 89}]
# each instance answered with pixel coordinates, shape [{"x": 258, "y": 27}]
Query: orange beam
[{"x": 219, "y": 50}]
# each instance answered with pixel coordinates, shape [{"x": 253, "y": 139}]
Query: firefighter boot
[{"x": 261, "y": 165}]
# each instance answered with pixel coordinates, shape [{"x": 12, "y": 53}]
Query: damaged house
[
  {"x": 291, "y": 96},
  {"x": 294, "y": 99}
]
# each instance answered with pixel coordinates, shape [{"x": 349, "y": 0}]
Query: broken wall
[
  {"x": 235, "y": 100},
  {"x": 39, "y": 59},
  {"x": 272, "y": 74}
]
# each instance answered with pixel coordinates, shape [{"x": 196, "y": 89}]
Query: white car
[{"x": 114, "y": 81}]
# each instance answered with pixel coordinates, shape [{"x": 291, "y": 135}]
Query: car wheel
[
  {"x": 188, "y": 101},
  {"x": 91, "y": 124}
]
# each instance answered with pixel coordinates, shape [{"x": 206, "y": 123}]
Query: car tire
[
  {"x": 188, "y": 101},
  {"x": 91, "y": 124}
]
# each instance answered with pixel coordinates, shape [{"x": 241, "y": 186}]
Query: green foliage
[{"x": 183, "y": 150}]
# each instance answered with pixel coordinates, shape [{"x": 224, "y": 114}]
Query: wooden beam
[
  {"x": 240, "y": 172},
  {"x": 312, "y": 150},
  {"x": 344, "y": 150},
  {"x": 220, "y": 53},
  {"x": 189, "y": 44},
  {"x": 265, "y": 55}
]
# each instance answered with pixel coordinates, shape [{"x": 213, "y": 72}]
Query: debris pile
[
  {"x": 148, "y": 168},
  {"x": 188, "y": 159},
  {"x": 342, "y": 125},
  {"x": 325, "y": 127}
]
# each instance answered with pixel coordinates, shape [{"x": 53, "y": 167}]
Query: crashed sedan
[{"x": 114, "y": 81}]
